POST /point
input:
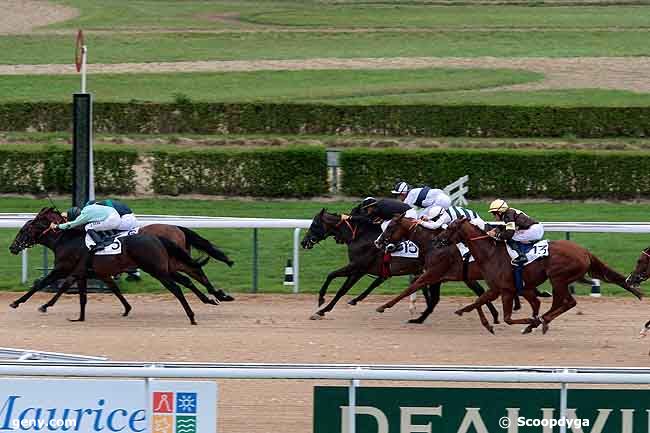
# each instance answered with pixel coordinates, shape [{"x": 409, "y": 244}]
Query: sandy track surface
[
  {"x": 560, "y": 73},
  {"x": 275, "y": 328},
  {"x": 23, "y": 16}
]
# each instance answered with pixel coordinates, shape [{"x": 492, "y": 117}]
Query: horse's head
[
  {"x": 32, "y": 230},
  {"x": 320, "y": 229},
  {"x": 397, "y": 229},
  {"x": 642, "y": 270}
]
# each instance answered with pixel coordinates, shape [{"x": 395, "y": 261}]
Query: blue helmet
[{"x": 73, "y": 213}]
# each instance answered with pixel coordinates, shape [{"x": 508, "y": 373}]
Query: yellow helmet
[{"x": 498, "y": 205}]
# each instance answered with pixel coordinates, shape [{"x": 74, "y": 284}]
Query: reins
[
  {"x": 644, "y": 252},
  {"x": 353, "y": 230},
  {"x": 479, "y": 237}
]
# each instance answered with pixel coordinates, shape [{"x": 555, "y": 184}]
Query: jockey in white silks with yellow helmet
[{"x": 438, "y": 217}]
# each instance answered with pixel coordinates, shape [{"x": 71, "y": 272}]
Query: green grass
[
  {"x": 355, "y": 87},
  {"x": 173, "y": 47},
  {"x": 128, "y": 14},
  {"x": 418, "y": 16},
  {"x": 539, "y": 98},
  {"x": 619, "y": 250},
  {"x": 270, "y": 86}
]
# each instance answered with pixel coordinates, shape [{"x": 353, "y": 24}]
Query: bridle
[{"x": 352, "y": 228}]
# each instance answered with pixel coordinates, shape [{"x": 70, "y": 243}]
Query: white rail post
[
  {"x": 352, "y": 403},
  {"x": 23, "y": 275},
  {"x": 296, "y": 258},
  {"x": 563, "y": 403}
]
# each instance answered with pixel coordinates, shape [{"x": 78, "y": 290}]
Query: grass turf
[
  {"x": 275, "y": 245},
  {"x": 174, "y": 47},
  {"x": 269, "y": 86}
]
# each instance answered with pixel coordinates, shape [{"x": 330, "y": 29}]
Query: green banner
[{"x": 482, "y": 410}]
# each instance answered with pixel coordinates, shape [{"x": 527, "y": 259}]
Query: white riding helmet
[
  {"x": 434, "y": 212},
  {"x": 401, "y": 188},
  {"x": 498, "y": 205}
]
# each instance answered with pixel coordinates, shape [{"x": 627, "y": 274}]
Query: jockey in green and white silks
[
  {"x": 95, "y": 218},
  {"x": 437, "y": 217},
  {"x": 128, "y": 220}
]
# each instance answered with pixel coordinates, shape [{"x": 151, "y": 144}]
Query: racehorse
[
  {"x": 155, "y": 255},
  {"x": 641, "y": 273},
  {"x": 184, "y": 238},
  {"x": 441, "y": 264},
  {"x": 567, "y": 262},
  {"x": 365, "y": 259}
]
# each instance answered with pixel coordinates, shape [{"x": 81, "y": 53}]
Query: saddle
[
  {"x": 115, "y": 247},
  {"x": 533, "y": 251}
]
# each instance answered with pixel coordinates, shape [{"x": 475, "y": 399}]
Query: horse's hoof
[
  {"x": 14, "y": 305},
  {"x": 459, "y": 312},
  {"x": 316, "y": 316},
  {"x": 352, "y": 302},
  {"x": 43, "y": 308},
  {"x": 416, "y": 321},
  {"x": 544, "y": 328},
  {"x": 491, "y": 329},
  {"x": 496, "y": 321},
  {"x": 643, "y": 332},
  {"x": 381, "y": 309},
  {"x": 527, "y": 330},
  {"x": 230, "y": 263},
  {"x": 224, "y": 297},
  {"x": 77, "y": 320}
]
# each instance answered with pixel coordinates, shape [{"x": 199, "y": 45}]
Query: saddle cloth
[
  {"x": 533, "y": 251},
  {"x": 406, "y": 249},
  {"x": 464, "y": 252},
  {"x": 115, "y": 247}
]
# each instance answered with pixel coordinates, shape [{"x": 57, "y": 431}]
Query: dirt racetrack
[{"x": 275, "y": 328}]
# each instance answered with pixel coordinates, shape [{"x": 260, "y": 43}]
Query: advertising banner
[{"x": 97, "y": 405}]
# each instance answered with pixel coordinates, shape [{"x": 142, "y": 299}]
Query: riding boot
[
  {"x": 521, "y": 258},
  {"x": 100, "y": 241}
]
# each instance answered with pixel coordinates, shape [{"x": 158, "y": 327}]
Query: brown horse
[
  {"x": 441, "y": 264},
  {"x": 157, "y": 256},
  {"x": 566, "y": 263},
  {"x": 184, "y": 238},
  {"x": 365, "y": 259},
  {"x": 640, "y": 274}
]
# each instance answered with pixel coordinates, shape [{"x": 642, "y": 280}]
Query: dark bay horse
[
  {"x": 366, "y": 259},
  {"x": 155, "y": 255},
  {"x": 566, "y": 263},
  {"x": 640, "y": 274}
]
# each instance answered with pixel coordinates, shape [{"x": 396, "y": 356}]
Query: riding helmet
[
  {"x": 73, "y": 213},
  {"x": 401, "y": 188},
  {"x": 367, "y": 202},
  {"x": 498, "y": 206}
]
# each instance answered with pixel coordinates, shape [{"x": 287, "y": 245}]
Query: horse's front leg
[
  {"x": 345, "y": 271},
  {"x": 489, "y": 296},
  {"x": 347, "y": 285},
  {"x": 50, "y": 278}
]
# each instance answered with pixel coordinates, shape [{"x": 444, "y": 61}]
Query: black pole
[{"x": 81, "y": 151}]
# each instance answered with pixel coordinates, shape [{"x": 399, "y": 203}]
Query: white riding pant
[
  {"x": 128, "y": 222},
  {"x": 411, "y": 213},
  {"x": 531, "y": 234},
  {"x": 110, "y": 223}
]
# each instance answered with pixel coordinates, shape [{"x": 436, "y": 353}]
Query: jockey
[
  {"x": 380, "y": 210},
  {"x": 421, "y": 198},
  {"x": 128, "y": 220},
  {"x": 95, "y": 218},
  {"x": 437, "y": 216},
  {"x": 518, "y": 228}
]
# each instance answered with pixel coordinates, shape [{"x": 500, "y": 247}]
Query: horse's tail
[
  {"x": 193, "y": 239},
  {"x": 600, "y": 270},
  {"x": 179, "y": 253}
]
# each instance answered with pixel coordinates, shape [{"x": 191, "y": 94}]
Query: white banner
[{"x": 94, "y": 405}]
